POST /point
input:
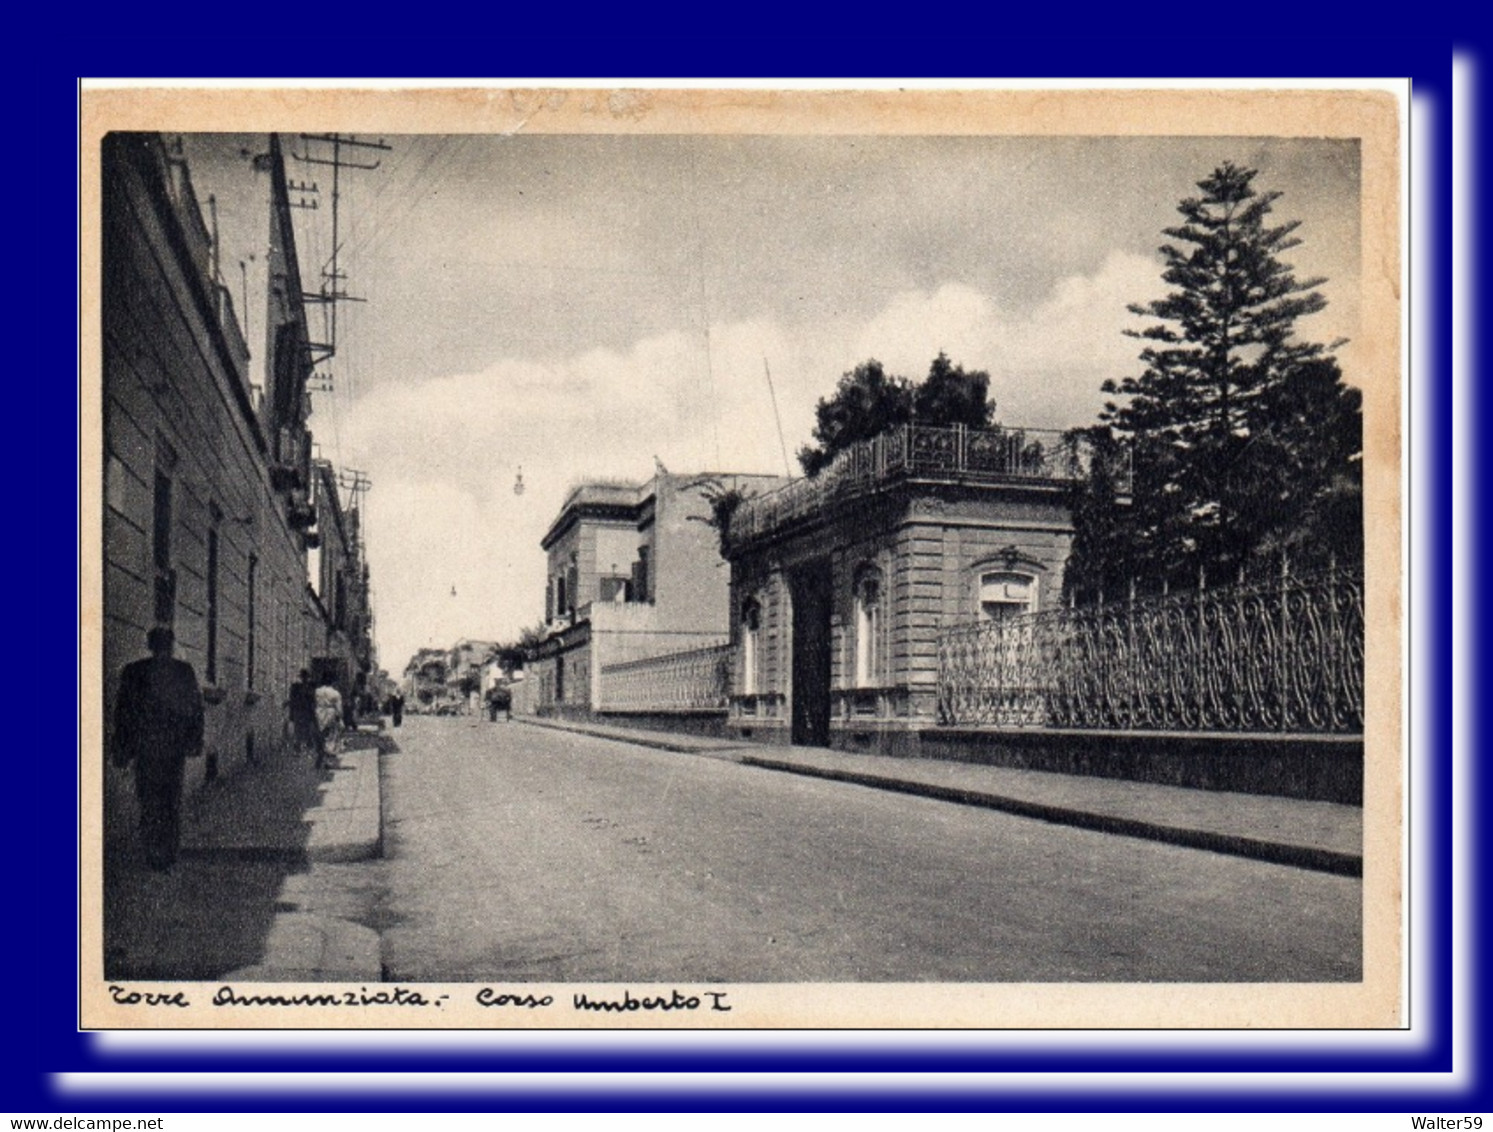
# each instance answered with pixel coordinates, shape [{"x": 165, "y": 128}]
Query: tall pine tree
[{"x": 1220, "y": 473}]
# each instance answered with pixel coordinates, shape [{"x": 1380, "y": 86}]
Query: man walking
[
  {"x": 158, "y": 724},
  {"x": 303, "y": 712}
]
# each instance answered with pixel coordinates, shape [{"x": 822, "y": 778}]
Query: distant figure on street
[
  {"x": 158, "y": 724},
  {"x": 303, "y": 712},
  {"x": 396, "y": 708},
  {"x": 499, "y": 700},
  {"x": 328, "y": 721}
]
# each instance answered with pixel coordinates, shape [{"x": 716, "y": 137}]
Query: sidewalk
[
  {"x": 251, "y": 845},
  {"x": 1325, "y": 836}
]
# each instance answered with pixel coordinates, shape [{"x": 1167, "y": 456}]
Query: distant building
[
  {"x": 464, "y": 665},
  {"x": 424, "y": 684},
  {"x": 842, "y": 583},
  {"x": 634, "y": 571}
]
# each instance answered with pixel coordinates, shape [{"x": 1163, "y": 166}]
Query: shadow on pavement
[
  {"x": 242, "y": 836},
  {"x": 380, "y": 741}
]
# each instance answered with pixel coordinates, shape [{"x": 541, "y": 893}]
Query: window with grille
[
  {"x": 869, "y": 662},
  {"x": 1006, "y": 594},
  {"x": 751, "y": 627}
]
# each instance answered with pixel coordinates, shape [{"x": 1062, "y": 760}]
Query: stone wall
[{"x": 184, "y": 464}]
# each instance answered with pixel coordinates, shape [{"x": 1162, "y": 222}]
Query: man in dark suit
[
  {"x": 303, "y": 712},
  {"x": 157, "y": 727}
]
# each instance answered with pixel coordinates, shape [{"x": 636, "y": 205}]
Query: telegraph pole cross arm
[
  {"x": 333, "y": 290},
  {"x": 355, "y": 482}
]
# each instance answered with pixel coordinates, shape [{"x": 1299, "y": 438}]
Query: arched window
[
  {"x": 1004, "y": 593},
  {"x": 751, "y": 626},
  {"x": 869, "y": 662}
]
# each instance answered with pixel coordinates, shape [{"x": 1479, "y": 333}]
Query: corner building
[{"x": 842, "y": 583}]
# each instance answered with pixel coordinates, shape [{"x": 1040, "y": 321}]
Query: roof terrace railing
[{"x": 960, "y": 454}]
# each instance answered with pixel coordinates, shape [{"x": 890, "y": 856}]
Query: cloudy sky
[{"x": 578, "y": 306}]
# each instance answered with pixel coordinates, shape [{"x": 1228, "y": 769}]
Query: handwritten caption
[{"x": 675, "y": 1001}]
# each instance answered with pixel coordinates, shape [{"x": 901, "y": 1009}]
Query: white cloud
[
  {"x": 444, "y": 454},
  {"x": 1053, "y": 361},
  {"x": 1046, "y": 364}
]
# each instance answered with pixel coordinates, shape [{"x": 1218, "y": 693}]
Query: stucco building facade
[
  {"x": 207, "y": 493},
  {"x": 841, "y": 584},
  {"x": 634, "y": 571}
]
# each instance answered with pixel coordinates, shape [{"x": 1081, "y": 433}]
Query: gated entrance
[{"x": 812, "y": 586}]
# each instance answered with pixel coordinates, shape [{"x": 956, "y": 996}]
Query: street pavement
[
  {"x": 585, "y": 852},
  {"x": 1316, "y": 835},
  {"x": 278, "y": 878},
  {"x": 524, "y": 853}
]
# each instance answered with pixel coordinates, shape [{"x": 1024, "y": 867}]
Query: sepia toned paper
[{"x": 1373, "y": 117}]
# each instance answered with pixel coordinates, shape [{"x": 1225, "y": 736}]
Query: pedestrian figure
[
  {"x": 158, "y": 724},
  {"x": 396, "y": 708},
  {"x": 303, "y": 712},
  {"x": 499, "y": 700},
  {"x": 328, "y": 721}
]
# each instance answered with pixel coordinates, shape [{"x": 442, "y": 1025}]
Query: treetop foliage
[
  {"x": 868, "y": 401},
  {"x": 1244, "y": 439}
]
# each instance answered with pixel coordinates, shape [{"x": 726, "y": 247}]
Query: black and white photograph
[{"x": 766, "y": 558}]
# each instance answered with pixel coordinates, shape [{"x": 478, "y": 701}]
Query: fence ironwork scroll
[
  {"x": 695, "y": 680},
  {"x": 1285, "y": 656}
]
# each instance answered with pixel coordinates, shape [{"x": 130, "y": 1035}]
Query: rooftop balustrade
[{"x": 921, "y": 452}]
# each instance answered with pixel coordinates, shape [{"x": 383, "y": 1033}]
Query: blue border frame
[{"x": 40, "y": 947}]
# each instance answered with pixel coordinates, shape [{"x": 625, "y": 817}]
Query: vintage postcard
[{"x": 756, "y": 558}]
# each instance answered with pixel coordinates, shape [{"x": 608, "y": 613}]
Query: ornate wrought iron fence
[
  {"x": 1286, "y": 656},
  {"x": 696, "y": 680},
  {"x": 987, "y": 456}
]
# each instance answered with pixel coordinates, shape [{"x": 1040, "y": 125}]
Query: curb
[
  {"x": 308, "y": 948},
  {"x": 1274, "y": 852},
  {"x": 1300, "y": 856},
  {"x": 352, "y": 830},
  {"x": 643, "y": 739}
]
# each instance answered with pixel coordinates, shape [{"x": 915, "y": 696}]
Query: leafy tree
[
  {"x": 1105, "y": 553},
  {"x": 951, "y": 396},
  {"x": 1241, "y": 434},
  {"x": 1307, "y": 465},
  {"x": 511, "y": 655},
  {"x": 867, "y": 402}
]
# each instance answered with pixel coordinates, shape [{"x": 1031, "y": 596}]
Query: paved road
[{"x": 520, "y": 853}]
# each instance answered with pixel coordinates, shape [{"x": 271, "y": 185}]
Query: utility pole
[
  {"x": 355, "y": 483},
  {"x": 333, "y": 278}
]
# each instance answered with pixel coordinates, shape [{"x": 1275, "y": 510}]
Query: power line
[
  {"x": 382, "y": 196},
  {"x": 404, "y": 204},
  {"x": 333, "y": 279}
]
